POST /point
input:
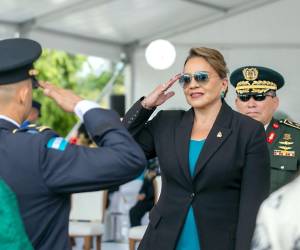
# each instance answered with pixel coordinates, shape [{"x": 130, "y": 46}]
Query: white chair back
[{"x": 88, "y": 206}]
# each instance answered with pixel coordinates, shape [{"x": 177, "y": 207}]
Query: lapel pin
[{"x": 219, "y": 135}]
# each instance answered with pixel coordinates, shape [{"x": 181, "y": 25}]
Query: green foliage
[
  {"x": 90, "y": 86},
  {"x": 58, "y": 68},
  {"x": 63, "y": 69},
  {"x": 119, "y": 88}
]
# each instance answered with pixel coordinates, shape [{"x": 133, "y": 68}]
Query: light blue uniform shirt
[{"x": 189, "y": 239}]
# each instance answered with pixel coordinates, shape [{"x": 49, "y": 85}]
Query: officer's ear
[
  {"x": 276, "y": 102},
  {"x": 25, "y": 90},
  {"x": 236, "y": 101}
]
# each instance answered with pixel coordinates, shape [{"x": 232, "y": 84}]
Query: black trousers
[{"x": 137, "y": 212}]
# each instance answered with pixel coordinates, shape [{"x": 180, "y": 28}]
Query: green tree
[
  {"x": 63, "y": 69},
  {"x": 60, "y": 68}
]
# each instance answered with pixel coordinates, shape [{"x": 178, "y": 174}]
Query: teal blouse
[{"x": 189, "y": 239}]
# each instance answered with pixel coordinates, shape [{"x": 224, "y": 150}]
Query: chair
[
  {"x": 136, "y": 233},
  {"x": 86, "y": 217}
]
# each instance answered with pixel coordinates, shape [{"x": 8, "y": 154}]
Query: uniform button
[
  {"x": 192, "y": 195},
  {"x": 282, "y": 167}
]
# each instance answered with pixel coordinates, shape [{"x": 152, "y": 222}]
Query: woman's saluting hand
[{"x": 159, "y": 95}]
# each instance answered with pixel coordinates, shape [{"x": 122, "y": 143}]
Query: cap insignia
[
  {"x": 250, "y": 74},
  {"x": 33, "y": 72}
]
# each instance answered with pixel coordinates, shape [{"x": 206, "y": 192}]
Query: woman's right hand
[{"x": 159, "y": 95}]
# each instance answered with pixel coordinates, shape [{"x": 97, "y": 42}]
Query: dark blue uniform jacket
[{"x": 43, "y": 176}]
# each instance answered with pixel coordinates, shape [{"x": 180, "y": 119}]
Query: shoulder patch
[
  {"x": 57, "y": 143},
  {"x": 290, "y": 123}
]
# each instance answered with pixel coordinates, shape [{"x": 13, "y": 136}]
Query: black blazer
[{"x": 231, "y": 177}]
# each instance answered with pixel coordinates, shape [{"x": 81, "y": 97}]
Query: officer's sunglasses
[
  {"x": 256, "y": 96},
  {"x": 199, "y": 76}
]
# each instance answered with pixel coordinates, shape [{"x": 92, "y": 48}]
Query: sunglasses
[
  {"x": 199, "y": 76},
  {"x": 256, "y": 96}
]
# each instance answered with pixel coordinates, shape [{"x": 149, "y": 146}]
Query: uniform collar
[
  {"x": 269, "y": 127},
  {"x": 8, "y": 123},
  {"x": 266, "y": 126}
]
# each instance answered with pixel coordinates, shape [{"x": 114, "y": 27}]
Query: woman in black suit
[{"x": 214, "y": 162}]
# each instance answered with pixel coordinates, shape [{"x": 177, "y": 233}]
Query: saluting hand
[
  {"x": 159, "y": 95},
  {"x": 66, "y": 99}
]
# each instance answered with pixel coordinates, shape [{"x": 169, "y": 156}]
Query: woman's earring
[{"x": 222, "y": 95}]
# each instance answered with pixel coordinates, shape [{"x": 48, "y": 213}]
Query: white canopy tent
[{"x": 260, "y": 32}]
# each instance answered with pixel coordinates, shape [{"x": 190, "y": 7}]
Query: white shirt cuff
[{"x": 84, "y": 106}]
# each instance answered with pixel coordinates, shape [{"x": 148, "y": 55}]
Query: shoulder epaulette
[
  {"x": 42, "y": 128},
  {"x": 32, "y": 128},
  {"x": 290, "y": 123}
]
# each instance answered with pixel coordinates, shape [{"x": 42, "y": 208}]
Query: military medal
[
  {"x": 284, "y": 153},
  {"x": 287, "y": 137},
  {"x": 286, "y": 143},
  {"x": 285, "y": 147}
]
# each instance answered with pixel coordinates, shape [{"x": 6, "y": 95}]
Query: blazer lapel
[
  {"x": 216, "y": 137},
  {"x": 182, "y": 141}
]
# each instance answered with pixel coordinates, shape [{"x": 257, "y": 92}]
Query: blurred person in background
[
  {"x": 278, "y": 220},
  {"x": 145, "y": 198},
  {"x": 34, "y": 115},
  {"x": 12, "y": 232},
  {"x": 83, "y": 137}
]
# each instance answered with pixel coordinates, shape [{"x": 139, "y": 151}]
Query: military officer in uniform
[
  {"x": 43, "y": 169},
  {"x": 256, "y": 89},
  {"x": 34, "y": 114}
]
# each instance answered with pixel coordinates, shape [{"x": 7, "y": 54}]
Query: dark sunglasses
[
  {"x": 256, "y": 96},
  {"x": 199, "y": 76}
]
